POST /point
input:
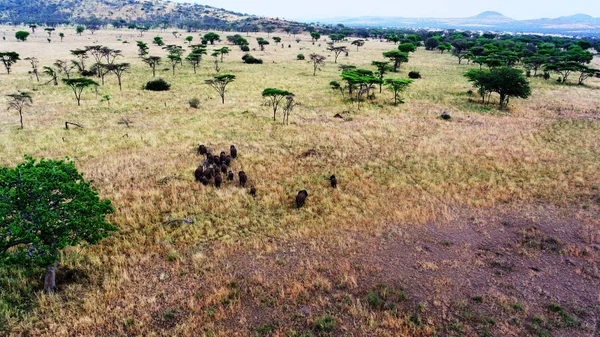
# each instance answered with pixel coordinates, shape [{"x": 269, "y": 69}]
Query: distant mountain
[{"x": 571, "y": 25}]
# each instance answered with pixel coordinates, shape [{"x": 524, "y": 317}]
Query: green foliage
[
  {"x": 315, "y": 36},
  {"x": 275, "y": 96},
  {"x": 8, "y": 59},
  {"x": 194, "y": 103},
  {"x": 212, "y": 37},
  {"x": 157, "y": 85},
  {"x": 78, "y": 84},
  {"x": 244, "y": 48},
  {"x": 79, "y": 29},
  {"x": 397, "y": 85},
  {"x": 505, "y": 81},
  {"x": 46, "y": 206},
  {"x": 277, "y": 39},
  {"x": 262, "y": 42},
  {"x": 189, "y": 39},
  {"x": 18, "y": 102},
  {"x": 432, "y": 43},
  {"x": 337, "y": 37},
  {"x": 397, "y": 57},
  {"x": 325, "y": 323},
  {"x": 219, "y": 83},
  {"x": 158, "y": 41},
  {"x": 249, "y": 59},
  {"x": 407, "y": 47},
  {"x": 21, "y": 35},
  {"x": 300, "y": 57}
]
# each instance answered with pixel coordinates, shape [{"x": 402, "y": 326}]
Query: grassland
[{"x": 408, "y": 181}]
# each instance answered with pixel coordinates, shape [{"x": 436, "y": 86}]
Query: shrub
[
  {"x": 249, "y": 59},
  {"x": 414, "y": 75},
  {"x": 300, "y": 57},
  {"x": 244, "y": 48},
  {"x": 325, "y": 324},
  {"x": 445, "y": 115},
  {"x": 157, "y": 85},
  {"x": 194, "y": 103}
]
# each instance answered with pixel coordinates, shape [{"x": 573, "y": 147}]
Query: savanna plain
[{"x": 486, "y": 224}]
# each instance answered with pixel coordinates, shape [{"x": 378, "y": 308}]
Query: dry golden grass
[{"x": 401, "y": 165}]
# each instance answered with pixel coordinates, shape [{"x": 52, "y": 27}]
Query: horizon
[{"x": 431, "y": 9}]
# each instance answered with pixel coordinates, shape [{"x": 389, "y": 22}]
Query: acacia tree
[
  {"x": 317, "y": 60},
  {"x": 219, "y": 83},
  {"x": 211, "y": 37},
  {"x": 152, "y": 61},
  {"x": 315, "y": 36},
  {"x": 18, "y": 102},
  {"x": 337, "y": 50},
  {"x": 49, "y": 30},
  {"x": 275, "y": 96},
  {"x": 262, "y": 42},
  {"x": 396, "y": 57},
  {"x": 288, "y": 106},
  {"x": 79, "y": 30},
  {"x": 46, "y": 206},
  {"x": 407, "y": 47},
  {"x": 397, "y": 85},
  {"x": 195, "y": 56},
  {"x": 52, "y": 73},
  {"x": 62, "y": 36},
  {"x": 505, "y": 81},
  {"x": 78, "y": 84},
  {"x": 222, "y": 51},
  {"x": 142, "y": 48},
  {"x": 118, "y": 69},
  {"x": 64, "y": 66},
  {"x": 8, "y": 59},
  {"x": 358, "y": 43},
  {"x": 34, "y": 66},
  {"x": 81, "y": 54},
  {"x": 382, "y": 69},
  {"x": 174, "y": 56}
]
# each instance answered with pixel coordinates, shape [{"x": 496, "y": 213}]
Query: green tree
[
  {"x": 222, "y": 51},
  {"x": 158, "y": 41},
  {"x": 219, "y": 83},
  {"x": 407, "y": 47},
  {"x": 460, "y": 49},
  {"x": 81, "y": 54},
  {"x": 382, "y": 69},
  {"x": 337, "y": 50},
  {"x": 118, "y": 69},
  {"x": 189, "y": 39},
  {"x": 21, "y": 35},
  {"x": 49, "y": 31},
  {"x": 479, "y": 79},
  {"x": 195, "y": 56},
  {"x": 52, "y": 73},
  {"x": 34, "y": 66},
  {"x": 79, "y": 29},
  {"x": 142, "y": 48},
  {"x": 397, "y": 85},
  {"x": 78, "y": 84},
  {"x": 46, "y": 206},
  {"x": 563, "y": 68},
  {"x": 432, "y": 43},
  {"x": 62, "y": 36},
  {"x": 277, "y": 39},
  {"x": 316, "y": 60},
  {"x": 337, "y": 37},
  {"x": 9, "y": 58},
  {"x": 211, "y": 37},
  {"x": 358, "y": 43},
  {"x": 315, "y": 36},
  {"x": 152, "y": 62},
  {"x": 19, "y": 102},
  {"x": 442, "y": 47},
  {"x": 508, "y": 82},
  {"x": 396, "y": 57},
  {"x": 174, "y": 55},
  {"x": 275, "y": 96},
  {"x": 262, "y": 42}
]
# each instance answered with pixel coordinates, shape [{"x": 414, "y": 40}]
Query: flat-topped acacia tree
[
  {"x": 152, "y": 62},
  {"x": 9, "y": 58},
  {"x": 46, "y": 206},
  {"x": 275, "y": 96},
  {"x": 219, "y": 83},
  {"x": 396, "y": 57},
  {"x": 19, "y": 102},
  {"x": 118, "y": 69},
  {"x": 78, "y": 84}
]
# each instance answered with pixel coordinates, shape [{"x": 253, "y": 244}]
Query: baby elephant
[{"x": 301, "y": 198}]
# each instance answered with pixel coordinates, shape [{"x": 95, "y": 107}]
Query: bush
[
  {"x": 244, "y": 48},
  {"x": 414, "y": 75},
  {"x": 325, "y": 324},
  {"x": 157, "y": 85},
  {"x": 300, "y": 57},
  {"x": 249, "y": 59},
  {"x": 194, "y": 103}
]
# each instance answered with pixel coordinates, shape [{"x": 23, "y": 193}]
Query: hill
[{"x": 121, "y": 13}]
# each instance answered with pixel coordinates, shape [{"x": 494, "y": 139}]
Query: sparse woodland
[{"x": 425, "y": 184}]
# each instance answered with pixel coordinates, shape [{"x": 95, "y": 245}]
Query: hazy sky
[{"x": 309, "y": 9}]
